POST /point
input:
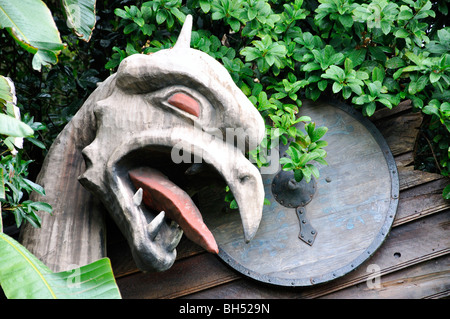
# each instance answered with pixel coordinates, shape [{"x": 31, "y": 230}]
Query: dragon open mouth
[
  {"x": 141, "y": 180},
  {"x": 159, "y": 193}
]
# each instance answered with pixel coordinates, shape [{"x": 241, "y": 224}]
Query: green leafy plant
[
  {"x": 306, "y": 148},
  {"x": 22, "y": 275},
  {"x": 14, "y": 183},
  {"x": 371, "y": 54},
  {"x": 265, "y": 53}
]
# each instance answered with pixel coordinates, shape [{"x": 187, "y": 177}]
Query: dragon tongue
[{"x": 160, "y": 194}]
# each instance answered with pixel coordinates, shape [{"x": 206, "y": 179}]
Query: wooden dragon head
[{"x": 142, "y": 135}]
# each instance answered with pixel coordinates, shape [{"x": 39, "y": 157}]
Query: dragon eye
[{"x": 186, "y": 103}]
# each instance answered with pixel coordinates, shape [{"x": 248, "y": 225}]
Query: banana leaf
[
  {"x": 23, "y": 276},
  {"x": 31, "y": 24},
  {"x": 80, "y": 16},
  {"x": 13, "y": 127}
]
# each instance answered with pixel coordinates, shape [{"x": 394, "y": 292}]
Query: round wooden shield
[{"x": 350, "y": 212}]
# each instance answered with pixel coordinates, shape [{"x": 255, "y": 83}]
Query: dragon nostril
[{"x": 243, "y": 178}]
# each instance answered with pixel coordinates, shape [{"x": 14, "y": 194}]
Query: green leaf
[
  {"x": 41, "y": 206},
  {"x": 178, "y": 14},
  {"x": 250, "y": 53},
  {"x": 295, "y": 154},
  {"x": 306, "y": 173},
  {"x": 314, "y": 170},
  {"x": 44, "y": 57},
  {"x": 23, "y": 276},
  {"x": 434, "y": 77},
  {"x": 11, "y": 126},
  {"x": 370, "y": 108},
  {"x": 395, "y": 63},
  {"x": 31, "y": 24},
  {"x": 122, "y": 13},
  {"x": 377, "y": 53},
  {"x": 311, "y": 66},
  {"x": 446, "y": 192},
  {"x": 431, "y": 109},
  {"x": 337, "y": 87},
  {"x": 385, "y": 27},
  {"x": 36, "y": 187},
  {"x": 6, "y": 89},
  {"x": 298, "y": 175},
  {"x": 234, "y": 24},
  {"x": 318, "y": 133},
  {"x": 322, "y": 85},
  {"x": 335, "y": 73},
  {"x": 309, "y": 128},
  {"x": 385, "y": 102},
  {"x": 36, "y": 142},
  {"x": 405, "y": 13},
  {"x": 378, "y": 74},
  {"x": 401, "y": 33},
  {"x": 346, "y": 20},
  {"x": 288, "y": 166},
  {"x": 374, "y": 88},
  {"x": 205, "y": 5},
  {"x": 397, "y": 73},
  {"x": 161, "y": 16},
  {"x": 356, "y": 56},
  {"x": 80, "y": 16},
  {"x": 130, "y": 28}
]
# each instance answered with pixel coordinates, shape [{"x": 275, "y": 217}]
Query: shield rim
[{"x": 378, "y": 239}]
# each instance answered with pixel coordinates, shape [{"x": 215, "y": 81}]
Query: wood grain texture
[
  {"x": 419, "y": 239},
  {"x": 74, "y": 235},
  {"x": 430, "y": 279},
  {"x": 407, "y": 245}
]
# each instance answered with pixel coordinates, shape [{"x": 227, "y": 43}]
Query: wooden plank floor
[{"x": 413, "y": 262}]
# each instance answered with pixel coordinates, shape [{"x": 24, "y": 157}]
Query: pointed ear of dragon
[{"x": 148, "y": 127}]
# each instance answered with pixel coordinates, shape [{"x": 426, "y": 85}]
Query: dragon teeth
[
  {"x": 154, "y": 226},
  {"x": 137, "y": 197}
]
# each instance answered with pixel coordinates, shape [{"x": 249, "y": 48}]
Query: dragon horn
[{"x": 184, "y": 39}]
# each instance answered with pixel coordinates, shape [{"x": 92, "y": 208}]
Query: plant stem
[{"x": 432, "y": 153}]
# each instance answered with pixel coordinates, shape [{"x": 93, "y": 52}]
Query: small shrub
[{"x": 371, "y": 54}]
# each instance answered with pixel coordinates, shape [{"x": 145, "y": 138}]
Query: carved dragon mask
[{"x": 168, "y": 112}]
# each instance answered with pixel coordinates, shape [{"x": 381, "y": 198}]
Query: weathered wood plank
[
  {"x": 384, "y": 113},
  {"x": 186, "y": 276},
  {"x": 408, "y": 176},
  {"x": 430, "y": 279},
  {"x": 407, "y": 245},
  {"x": 123, "y": 264},
  {"x": 74, "y": 234},
  {"x": 420, "y": 196},
  {"x": 420, "y": 201},
  {"x": 400, "y": 132}
]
